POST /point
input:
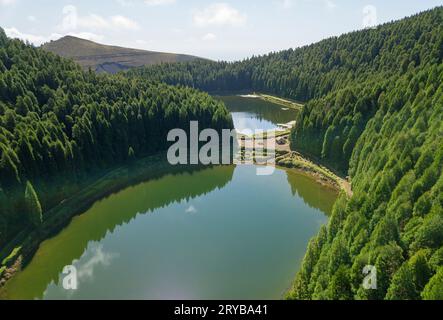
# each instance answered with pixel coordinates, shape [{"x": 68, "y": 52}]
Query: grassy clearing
[
  {"x": 280, "y": 101},
  {"x": 323, "y": 174},
  {"x": 2, "y": 270},
  {"x": 11, "y": 258}
]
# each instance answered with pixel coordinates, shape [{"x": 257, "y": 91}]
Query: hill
[{"x": 110, "y": 59}]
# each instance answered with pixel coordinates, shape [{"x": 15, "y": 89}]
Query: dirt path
[
  {"x": 280, "y": 101},
  {"x": 346, "y": 186},
  {"x": 300, "y": 161},
  {"x": 307, "y": 164},
  {"x": 294, "y": 159}
]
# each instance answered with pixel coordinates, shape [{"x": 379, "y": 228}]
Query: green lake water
[{"x": 215, "y": 233}]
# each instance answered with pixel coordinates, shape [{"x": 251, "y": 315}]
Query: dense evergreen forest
[
  {"x": 355, "y": 62},
  {"x": 315, "y": 70},
  {"x": 374, "y": 111},
  {"x": 59, "y": 125},
  {"x": 394, "y": 220}
]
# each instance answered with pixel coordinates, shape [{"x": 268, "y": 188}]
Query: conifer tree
[{"x": 33, "y": 207}]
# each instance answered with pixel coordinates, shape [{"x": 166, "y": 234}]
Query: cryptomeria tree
[{"x": 33, "y": 207}]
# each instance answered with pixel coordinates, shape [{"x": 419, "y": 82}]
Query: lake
[
  {"x": 213, "y": 233},
  {"x": 256, "y": 114}
]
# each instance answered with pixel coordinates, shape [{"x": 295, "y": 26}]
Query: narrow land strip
[
  {"x": 280, "y": 101},
  {"x": 321, "y": 173},
  {"x": 285, "y": 157}
]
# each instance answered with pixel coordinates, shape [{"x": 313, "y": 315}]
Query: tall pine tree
[{"x": 33, "y": 207}]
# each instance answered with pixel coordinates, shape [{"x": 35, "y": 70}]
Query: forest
[
  {"x": 374, "y": 105},
  {"x": 59, "y": 125},
  {"x": 374, "y": 112}
]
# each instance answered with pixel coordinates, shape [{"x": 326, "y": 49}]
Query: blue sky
[{"x": 228, "y": 30}]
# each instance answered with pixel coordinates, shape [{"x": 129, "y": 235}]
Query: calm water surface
[{"x": 217, "y": 233}]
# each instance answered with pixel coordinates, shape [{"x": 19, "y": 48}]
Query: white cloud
[
  {"x": 93, "y": 21},
  {"x": 99, "y": 257},
  {"x": 219, "y": 14},
  {"x": 7, "y": 2},
  {"x": 70, "y": 18},
  {"x": 191, "y": 209},
  {"x": 38, "y": 40},
  {"x": 209, "y": 37},
  {"x": 32, "y": 18},
  {"x": 124, "y": 23},
  {"x": 87, "y": 36},
  {"x": 154, "y": 3},
  {"x": 32, "y": 38},
  {"x": 73, "y": 21}
]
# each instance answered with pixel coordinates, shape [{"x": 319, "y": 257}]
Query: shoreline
[
  {"x": 249, "y": 94},
  {"x": 286, "y": 158},
  {"x": 23, "y": 248},
  {"x": 19, "y": 251},
  {"x": 280, "y": 101},
  {"x": 323, "y": 175}
]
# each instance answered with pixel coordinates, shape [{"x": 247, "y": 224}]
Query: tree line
[
  {"x": 394, "y": 220},
  {"x": 59, "y": 123},
  {"x": 315, "y": 70},
  {"x": 374, "y": 112}
]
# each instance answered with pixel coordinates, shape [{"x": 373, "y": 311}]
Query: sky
[{"x": 219, "y": 30}]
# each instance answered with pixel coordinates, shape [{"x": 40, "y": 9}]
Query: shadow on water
[
  {"x": 313, "y": 193},
  {"x": 114, "y": 211},
  {"x": 175, "y": 237}
]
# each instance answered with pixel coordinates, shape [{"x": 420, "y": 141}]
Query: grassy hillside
[{"x": 111, "y": 59}]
